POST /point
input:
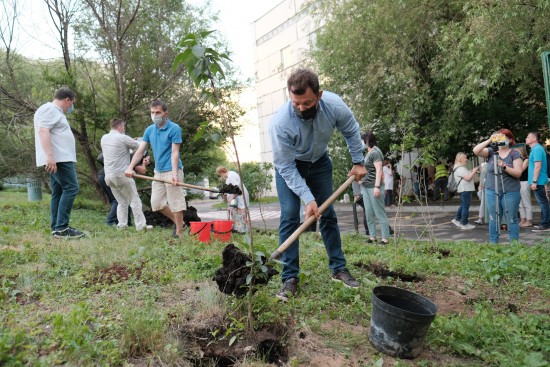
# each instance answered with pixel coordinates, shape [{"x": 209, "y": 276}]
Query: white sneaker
[
  {"x": 148, "y": 227},
  {"x": 456, "y": 223},
  {"x": 468, "y": 226}
]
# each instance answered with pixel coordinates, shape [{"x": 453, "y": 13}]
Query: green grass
[{"x": 123, "y": 297}]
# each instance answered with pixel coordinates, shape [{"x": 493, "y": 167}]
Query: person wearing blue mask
[
  {"x": 56, "y": 151},
  {"x": 300, "y": 132},
  {"x": 165, "y": 139}
]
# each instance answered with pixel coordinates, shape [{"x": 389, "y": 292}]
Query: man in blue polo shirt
[
  {"x": 538, "y": 179},
  {"x": 165, "y": 139}
]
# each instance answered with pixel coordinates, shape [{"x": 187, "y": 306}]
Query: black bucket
[{"x": 400, "y": 321}]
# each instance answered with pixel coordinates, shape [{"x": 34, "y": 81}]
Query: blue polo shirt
[
  {"x": 161, "y": 140},
  {"x": 538, "y": 154}
]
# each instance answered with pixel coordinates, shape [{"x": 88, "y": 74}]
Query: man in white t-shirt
[
  {"x": 116, "y": 147},
  {"x": 56, "y": 151}
]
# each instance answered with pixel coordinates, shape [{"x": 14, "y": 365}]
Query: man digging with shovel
[{"x": 300, "y": 132}]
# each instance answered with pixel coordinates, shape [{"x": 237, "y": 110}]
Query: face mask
[
  {"x": 308, "y": 114},
  {"x": 71, "y": 109},
  {"x": 157, "y": 120}
]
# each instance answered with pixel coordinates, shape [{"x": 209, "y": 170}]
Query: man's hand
[
  {"x": 51, "y": 166},
  {"x": 175, "y": 179},
  {"x": 129, "y": 173},
  {"x": 312, "y": 209},
  {"x": 358, "y": 171},
  {"x": 142, "y": 169}
]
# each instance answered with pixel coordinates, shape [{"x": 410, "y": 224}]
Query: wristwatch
[
  {"x": 357, "y": 163},
  {"x": 376, "y": 187}
]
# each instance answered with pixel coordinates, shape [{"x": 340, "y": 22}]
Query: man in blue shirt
[
  {"x": 300, "y": 132},
  {"x": 537, "y": 179},
  {"x": 165, "y": 139}
]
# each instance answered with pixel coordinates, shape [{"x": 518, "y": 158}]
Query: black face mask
[{"x": 308, "y": 114}]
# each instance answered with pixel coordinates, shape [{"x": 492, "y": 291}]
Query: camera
[{"x": 496, "y": 144}]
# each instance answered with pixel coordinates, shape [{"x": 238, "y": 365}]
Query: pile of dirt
[
  {"x": 156, "y": 219},
  {"x": 231, "y": 277}
]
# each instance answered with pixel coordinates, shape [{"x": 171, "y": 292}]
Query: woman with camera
[{"x": 502, "y": 186}]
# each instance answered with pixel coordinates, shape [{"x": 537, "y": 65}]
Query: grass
[{"x": 128, "y": 298}]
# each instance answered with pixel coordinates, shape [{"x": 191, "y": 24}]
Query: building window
[{"x": 286, "y": 57}]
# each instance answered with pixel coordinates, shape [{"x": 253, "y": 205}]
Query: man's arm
[
  {"x": 536, "y": 174},
  {"x": 175, "y": 161},
  {"x": 46, "y": 142},
  {"x": 138, "y": 155}
]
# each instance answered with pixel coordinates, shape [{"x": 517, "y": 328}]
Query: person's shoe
[
  {"x": 371, "y": 240},
  {"x": 121, "y": 227},
  {"x": 541, "y": 229},
  {"x": 468, "y": 226},
  {"x": 69, "y": 233},
  {"x": 527, "y": 223},
  {"x": 384, "y": 242},
  {"x": 479, "y": 221},
  {"x": 147, "y": 227},
  {"x": 289, "y": 289},
  {"x": 456, "y": 223},
  {"x": 345, "y": 277}
]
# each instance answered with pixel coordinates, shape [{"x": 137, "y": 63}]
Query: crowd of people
[{"x": 300, "y": 132}]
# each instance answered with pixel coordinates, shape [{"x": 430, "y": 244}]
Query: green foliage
[
  {"x": 257, "y": 178},
  {"x": 456, "y": 70}
]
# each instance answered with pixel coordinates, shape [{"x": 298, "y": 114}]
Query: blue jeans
[
  {"x": 540, "y": 195},
  {"x": 318, "y": 177},
  {"x": 508, "y": 206},
  {"x": 375, "y": 212},
  {"x": 64, "y": 185},
  {"x": 464, "y": 209}
]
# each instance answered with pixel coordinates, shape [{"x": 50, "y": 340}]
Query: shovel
[
  {"x": 309, "y": 221},
  {"x": 189, "y": 186}
]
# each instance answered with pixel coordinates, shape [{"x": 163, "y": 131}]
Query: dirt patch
[
  {"x": 232, "y": 276},
  {"x": 382, "y": 271},
  {"x": 116, "y": 273}
]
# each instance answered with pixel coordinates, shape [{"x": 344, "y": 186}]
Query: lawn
[{"x": 123, "y": 298}]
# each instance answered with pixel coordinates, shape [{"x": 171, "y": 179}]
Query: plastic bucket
[
  {"x": 202, "y": 229},
  {"x": 222, "y": 230},
  {"x": 400, "y": 321},
  {"x": 34, "y": 191}
]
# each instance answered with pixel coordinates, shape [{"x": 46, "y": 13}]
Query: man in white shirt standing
[
  {"x": 56, "y": 151},
  {"x": 116, "y": 146}
]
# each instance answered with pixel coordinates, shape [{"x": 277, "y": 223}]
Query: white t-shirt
[
  {"x": 464, "y": 185},
  {"x": 233, "y": 178},
  {"x": 51, "y": 117},
  {"x": 388, "y": 178},
  {"x": 116, "y": 151}
]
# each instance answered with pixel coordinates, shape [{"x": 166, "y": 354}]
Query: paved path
[{"x": 411, "y": 221}]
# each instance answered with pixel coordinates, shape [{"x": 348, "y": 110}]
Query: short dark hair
[
  {"x": 300, "y": 80},
  {"x": 369, "y": 139},
  {"x": 116, "y": 122},
  {"x": 161, "y": 103},
  {"x": 535, "y": 134},
  {"x": 64, "y": 92}
]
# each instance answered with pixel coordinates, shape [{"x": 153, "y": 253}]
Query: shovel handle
[
  {"x": 189, "y": 186},
  {"x": 309, "y": 221}
]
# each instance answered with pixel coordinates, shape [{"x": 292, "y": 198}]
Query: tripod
[{"x": 498, "y": 172}]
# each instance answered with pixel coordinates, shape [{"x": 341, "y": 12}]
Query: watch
[
  {"x": 376, "y": 187},
  {"x": 357, "y": 163}
]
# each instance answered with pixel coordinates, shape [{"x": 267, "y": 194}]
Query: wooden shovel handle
[
  {"x": 189, "y": 186},
  {"x": 309, "y": 221}
]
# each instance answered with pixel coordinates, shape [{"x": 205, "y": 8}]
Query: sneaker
[
  {"x": 467, "y": 226},
  {"x": 289, "y": 289},
  {"x": 345, "y": 277},
  {"x": 540, "y": 229},
  {"x": 148, "y": 227},
  {"x": 68, "y": 232},
  {"x": 479, "y": 221},
  {"x": 456, "y": 223}
]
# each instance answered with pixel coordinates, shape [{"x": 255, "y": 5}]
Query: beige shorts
[{"x": 163, "y": 194}]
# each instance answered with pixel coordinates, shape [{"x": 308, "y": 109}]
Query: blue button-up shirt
[{"x": 293, "y": 138}]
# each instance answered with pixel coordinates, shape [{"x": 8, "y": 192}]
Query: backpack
[{"x": 452, "y": 185}]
